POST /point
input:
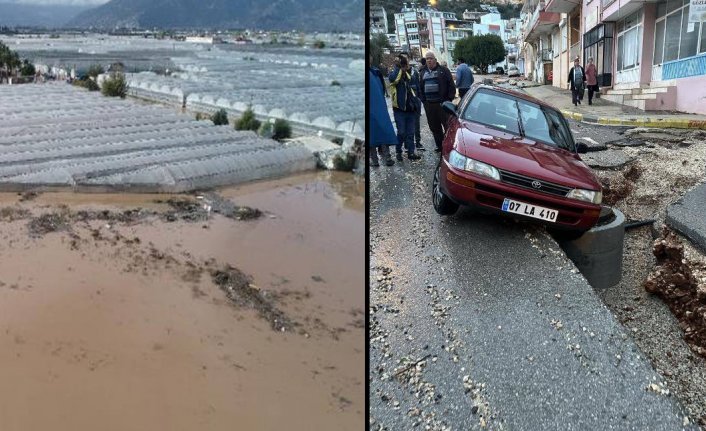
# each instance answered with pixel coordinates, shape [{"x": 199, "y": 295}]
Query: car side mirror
[
  {"x": 581, "y": 148},
  {"x": 450, "y": 108}
]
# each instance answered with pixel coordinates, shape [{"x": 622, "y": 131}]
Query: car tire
[{"x": 443, "y": 205}]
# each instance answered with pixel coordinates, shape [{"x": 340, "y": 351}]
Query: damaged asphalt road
[{"x": 481, "y": 322}]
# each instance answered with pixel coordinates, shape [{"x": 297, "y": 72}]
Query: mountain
[
  {"x": 49, "y": 16},
  {"x": 305, "y": 15}
]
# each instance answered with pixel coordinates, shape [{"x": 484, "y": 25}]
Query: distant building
[
  {"x": 203, "y": 39},
  {"x": 378, "y": 20},
  {"x": 426, "y": 28}
]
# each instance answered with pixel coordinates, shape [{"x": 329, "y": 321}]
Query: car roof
[{"x": 516, "y": 94}]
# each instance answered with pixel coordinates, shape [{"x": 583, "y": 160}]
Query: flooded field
[{"x": 178, "y": 317}]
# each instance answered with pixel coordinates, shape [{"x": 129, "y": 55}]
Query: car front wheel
[{"x": 442, "y": 203}]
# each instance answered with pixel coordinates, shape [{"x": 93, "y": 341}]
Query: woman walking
[{"x": 591, "y": 82}]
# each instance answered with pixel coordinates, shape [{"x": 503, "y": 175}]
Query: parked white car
[{"x": 513, "y": 71}]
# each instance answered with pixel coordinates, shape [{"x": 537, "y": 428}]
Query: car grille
[{"x": 526, "y": 182}]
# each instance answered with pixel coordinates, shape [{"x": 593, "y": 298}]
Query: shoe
[
  {"x": 579, "y": 101},
  {"x": 590, "y": 103},
  {"x": 420, "y": 147},
  {"x": 399, "y": 157},
  {"x": 389, "y": 162},
  {"x": 414, "y": 157}
]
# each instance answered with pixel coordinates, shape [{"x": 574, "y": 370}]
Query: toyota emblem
[{"x": 536, "y": 184}]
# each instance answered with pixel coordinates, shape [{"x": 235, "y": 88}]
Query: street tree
[
  {"x": 378, "y": 44},
  {"x": 481, "y": 51}
]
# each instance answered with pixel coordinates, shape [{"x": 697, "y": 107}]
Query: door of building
[{"x": 598, "y": 44}]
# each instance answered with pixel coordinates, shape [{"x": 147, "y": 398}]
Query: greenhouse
[
  {"x": 317, "y": 91},
  {"x": 56, "y": 135}
]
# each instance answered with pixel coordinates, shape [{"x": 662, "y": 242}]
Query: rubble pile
[{"x": 682, "y": 286}]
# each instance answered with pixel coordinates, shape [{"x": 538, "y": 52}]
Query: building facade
[
  {"x": 649, "y": 55},
  {"x": 378, "y": 20},
  {"x": 425, "y": 28}
]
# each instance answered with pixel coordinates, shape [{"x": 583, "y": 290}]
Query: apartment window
[
  {"x": 673, "y": 40},
  {"x": 564, "y": 37},
  {"x": 629, "y": 41}
]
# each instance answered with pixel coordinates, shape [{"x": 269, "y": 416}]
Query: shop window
[
  {"x": 689, "y": 40},
  {"x": 629, "y": 49},
  {"x": 659, "y": 42},
  {"x": 671, "y": 39}
]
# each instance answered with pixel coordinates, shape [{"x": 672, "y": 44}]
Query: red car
[{"x": 512, "y": 154}]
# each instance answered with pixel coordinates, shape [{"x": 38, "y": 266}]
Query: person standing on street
[
  {"x": 416, "y": 79},
  {"x": 464, "y": 77},
  {"x": 577, "y": 80},
  {"x": 405, "y": 105},
  {"x": 417, "y": 125},
  {"x": 437, "y": 87},
  {"x": 591, "y": 82},
  {"x": 382, "y": 134}
]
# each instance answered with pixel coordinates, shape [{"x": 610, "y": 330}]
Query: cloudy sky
[{"x": 58, "y": 2}]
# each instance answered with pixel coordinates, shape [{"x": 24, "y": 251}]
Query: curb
[{"x": 636, "y": 122}]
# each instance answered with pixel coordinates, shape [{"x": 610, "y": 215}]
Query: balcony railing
[{"x": 606, "y": 3}]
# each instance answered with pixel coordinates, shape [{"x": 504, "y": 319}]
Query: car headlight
[
  {"x": 586, "y": 195},
  {"x": 464, "y": 163}
]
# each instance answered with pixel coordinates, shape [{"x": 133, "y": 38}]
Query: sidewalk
[{"x": 609, "y": 113}]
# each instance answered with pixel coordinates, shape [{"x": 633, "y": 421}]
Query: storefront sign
[{"x": 697, "y": 11}]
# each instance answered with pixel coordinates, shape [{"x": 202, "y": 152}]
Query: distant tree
[
  {"x": 278, "y": 130},
  {"x": 115, "y": 85},
  {"x": 220, "y": 118},
  {"x": 27, "y": 69},
  {"x": 247, "y": 121},
  {"x": 117, "y": 67},
  {"x": 335, "y": 83},
  {"x": 95, "y": 70},
  {"x": 319, "y": 44},
  {"x": 481, "y": 51},
  {"x": 378, "y": 44}
]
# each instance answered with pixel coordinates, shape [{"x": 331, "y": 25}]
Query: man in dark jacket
[
  {"x": 404, "y": 106},
  {"x": 577, "y": 79},
  {"x": 417, "y": 125},
  {"x": 437, "y": 86},
  {"x": 464, "y": 78}
]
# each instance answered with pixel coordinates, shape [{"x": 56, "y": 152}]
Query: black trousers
[
  {"x": 436, "y": 117},
  {"x": 462, "y": 92},
  {"x": 576, "y": 96},
  {"x": 592, "y": 89}
]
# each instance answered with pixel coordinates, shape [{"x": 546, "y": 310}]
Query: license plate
[{"x": 530, "y": 210}]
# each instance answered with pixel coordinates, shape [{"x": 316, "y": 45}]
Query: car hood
[{"x": 524, "y": 156}]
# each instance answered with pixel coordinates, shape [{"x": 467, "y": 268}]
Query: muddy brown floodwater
[{"x": 136, "y": 323}]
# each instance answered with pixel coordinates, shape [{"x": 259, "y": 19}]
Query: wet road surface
[{"x": 481, "y": 322}]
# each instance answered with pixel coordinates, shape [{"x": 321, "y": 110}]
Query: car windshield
[
  {"x": 501, "y": 111},
  {"x": 493, "y": 109}
]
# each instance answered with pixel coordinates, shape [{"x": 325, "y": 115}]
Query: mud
[
  {"x": 107, "y": 308},
  {"x": 681, "y": 284},
  {"x": 239, "y": 290}
]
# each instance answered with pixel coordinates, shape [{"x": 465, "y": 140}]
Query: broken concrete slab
[
  {"x": 687, "y": 216},
  {"x": 608, "y": 159},
  {"x": 627, "y": 142},
  {"x": 592, "y": 144}
]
